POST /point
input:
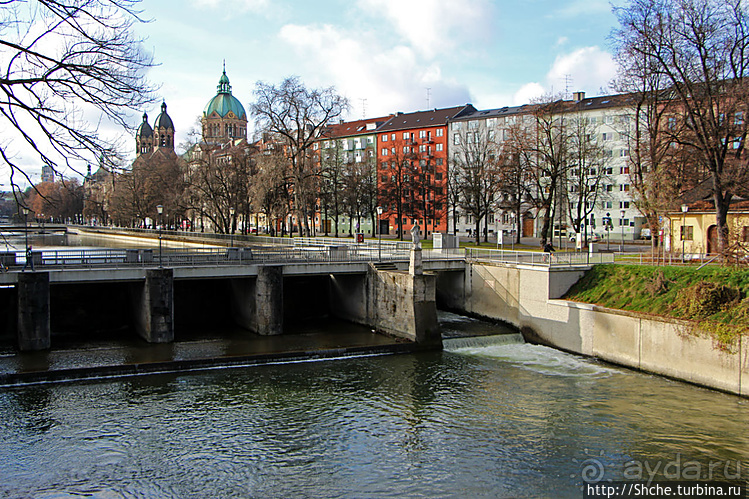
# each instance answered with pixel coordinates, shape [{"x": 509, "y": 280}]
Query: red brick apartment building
[{"x": 412, "y": 170}]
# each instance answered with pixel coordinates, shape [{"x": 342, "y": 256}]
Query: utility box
[{"x": 444, "y": 241}]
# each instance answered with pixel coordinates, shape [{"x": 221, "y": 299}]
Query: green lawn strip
[{"x": 714, "y": 299}]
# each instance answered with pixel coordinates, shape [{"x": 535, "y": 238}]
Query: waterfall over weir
[{"x": 457, "y": 344}]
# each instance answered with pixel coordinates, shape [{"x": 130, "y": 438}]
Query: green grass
[{"x": 714, "y": 299}]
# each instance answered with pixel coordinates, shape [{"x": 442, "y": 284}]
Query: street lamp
[
  {"x": 231, "y": 227},
  {"x": 621, "y": 223},
  {"x": 379, "y": 232},
  {"x": 160, "y": 209},
  {"x": 26, "y": 231},
  {"x": 512, "y": 231},
  {"x": 684, "y": 210},
  {"x": 608, "y": 231}
]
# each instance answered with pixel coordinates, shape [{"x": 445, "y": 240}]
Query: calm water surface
[{"x": 504, "y": 420}]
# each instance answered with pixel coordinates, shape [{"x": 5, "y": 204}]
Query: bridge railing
[
  {"x": 557, "y": 259},
  {"x": 89, "y": 258}
]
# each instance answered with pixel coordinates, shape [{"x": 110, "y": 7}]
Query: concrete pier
[
  {"x": 153, "y": 303},
  {"x": 33, "y": 311},
  {"x": 257, "y": 303}
]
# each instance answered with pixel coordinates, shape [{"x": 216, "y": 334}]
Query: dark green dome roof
[
  {"x": 144, "y": 130},
  {"x": 163, "y": 120},
  {"x": 224, "y": 101}
]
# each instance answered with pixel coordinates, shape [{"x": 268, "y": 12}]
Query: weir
[{"x": 259, "y": 298}]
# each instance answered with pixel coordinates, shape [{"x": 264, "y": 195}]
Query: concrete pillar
[
  {"x": 269, "y": 300},
  {"x": 153, "y": 302},
  {"x": 257, "y": 304},
  {"x": 416, "y": 266},
  {"x": 405, "y": 306},
  {"x": 33, "y": 311},
  {"x": 426, "y": 328}
]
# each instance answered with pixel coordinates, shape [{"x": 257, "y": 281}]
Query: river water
[
  {"x": 490, "y": 417},
  {"x": 499, "y": 418}
]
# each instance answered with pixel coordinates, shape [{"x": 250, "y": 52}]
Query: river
[{"x": 500, "y": 418}]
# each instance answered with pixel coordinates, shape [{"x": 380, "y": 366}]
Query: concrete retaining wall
[{"x": 527, "y": 297}]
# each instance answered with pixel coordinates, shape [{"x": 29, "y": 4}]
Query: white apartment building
[{"x": 607, "y": 121}]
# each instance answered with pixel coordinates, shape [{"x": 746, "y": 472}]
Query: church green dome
[{"x": 224, "y": 102}]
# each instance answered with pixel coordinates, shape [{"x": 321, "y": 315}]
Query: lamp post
[
  {"x": 608, "y": 231},
  {"x": 231, "y": 227},
  {"x": 684, "y": 210},
  {"x": 26, "y": 231},
  {"x": 379, "y": 233},
  {"x": 512, "y": 231},
  {"x": 160, "y": 209},
  {"x": 621, "y": 224}
]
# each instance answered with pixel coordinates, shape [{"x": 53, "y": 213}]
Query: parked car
[{"x": 592, "y": 238}]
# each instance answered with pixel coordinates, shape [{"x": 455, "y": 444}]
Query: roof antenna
[
  {"x": 429, "y": 90},
  {"x": 363, "y": 108}
]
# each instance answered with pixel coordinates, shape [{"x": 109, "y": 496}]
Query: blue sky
[
  {"x": 383, "y": 55},
  {"x": 389, "y": 52}
]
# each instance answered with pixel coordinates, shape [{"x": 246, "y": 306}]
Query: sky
[{"x": 385, "y": 56}]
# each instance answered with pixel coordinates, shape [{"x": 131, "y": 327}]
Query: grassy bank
[{"x": 714, "y": 299}]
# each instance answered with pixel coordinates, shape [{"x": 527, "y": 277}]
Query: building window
[
  {"x": 491, "y": 135},
  {"x": 623, "y": 205},
  {"x": 745, "y": 234},
  {"x": 392, "y": 136},
  {"x": 384, "y": 151},
  {"x": 406, "y": 136},
  {"x": 439, "y": 147},
  {"x": 687, "y": 233},
  {"x": 623, "y": 170},
  {"x": 422, "y": 134},
  {"x": 738, "y": 118},
  {"x": 438, "y": 161},
  {"x": 456, "y": 139},
  {"x": 439, "y": 132},
  {"x": 384, "y": 137},
  {"x": 624, "y": 188}
]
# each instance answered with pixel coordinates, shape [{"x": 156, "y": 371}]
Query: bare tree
[
  {"x": 700, "y": 51},
  {"x": 398, "y": 184},
  {"x": 541, "y": 141},
  {"x": 477, "y": 180},
  {"x": 588, "y": 163},
  {"x": 63, "y": 59},
  {"x": 297, "y": 115}
]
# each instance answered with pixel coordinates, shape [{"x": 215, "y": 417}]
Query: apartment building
[
  {"x": 347, "y": 157},
  {"x": 593, "y": 140},
  {"x": 412, "y": 170}
]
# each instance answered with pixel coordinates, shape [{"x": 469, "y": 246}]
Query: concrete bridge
[
  {"x": 259, "y": 287},
  {"x": 256, "y": 286}
]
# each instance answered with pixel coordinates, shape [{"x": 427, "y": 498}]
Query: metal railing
[{"x": 556, "y": 259}]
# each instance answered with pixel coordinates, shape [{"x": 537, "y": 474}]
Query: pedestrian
[
  {"x": 29, "y": 260},
  {"x": 549, "y": 252}
]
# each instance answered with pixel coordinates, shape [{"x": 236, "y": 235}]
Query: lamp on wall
[
  {"x": 379, "y": 232},
  {"x": 160, "y": 209},
  {"x": 684, "y": 210}
]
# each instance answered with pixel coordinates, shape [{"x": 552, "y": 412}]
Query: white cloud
[
  {"x": 562, "y": 40},
  {"x": 590, "y": 68},
  {"x": 433, "y": 27},
  {"x": 528, "y": 93},
  {"x": 391, "y": 79}
]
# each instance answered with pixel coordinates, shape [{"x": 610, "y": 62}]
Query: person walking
[{"x": 29, "y": 260}]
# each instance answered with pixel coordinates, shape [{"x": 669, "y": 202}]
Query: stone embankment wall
[{"x": 528, "y": 297}]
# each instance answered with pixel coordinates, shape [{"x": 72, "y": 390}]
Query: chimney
[{"x": 578, "y": 96}]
